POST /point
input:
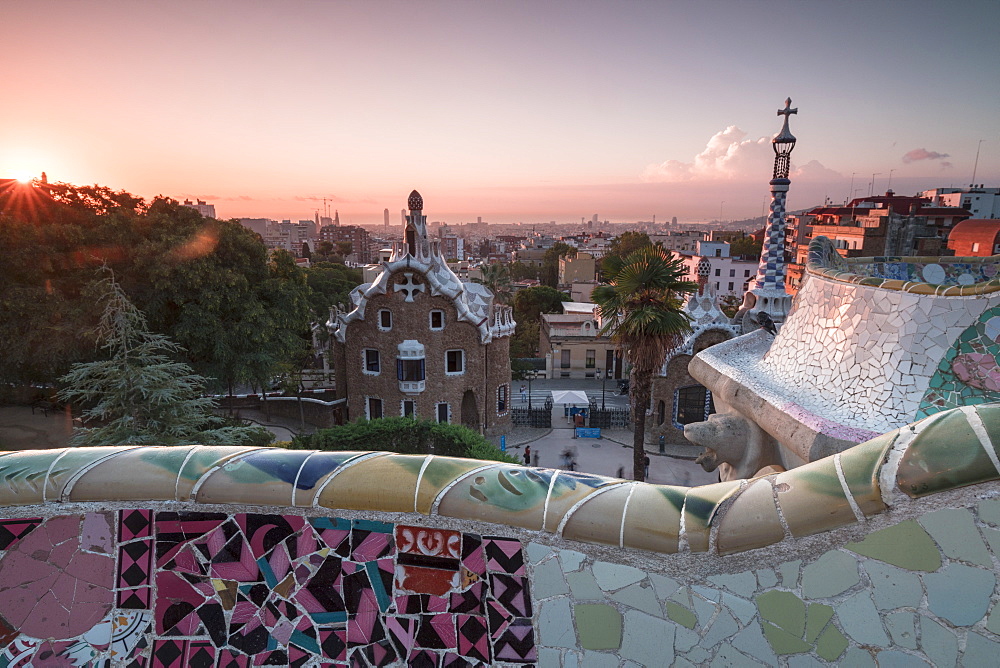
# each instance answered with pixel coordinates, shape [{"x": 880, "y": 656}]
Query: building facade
[
  {"x": 581, "y": 267},
  {"x": 202, "y": 207},
  {"x": 727, "y": 275},
  {"x": 420, "y": 342},
  {"x": 573, "y": 347},
  {"x": 356, "y": 236},
  {"x": 979, "y": 201}
]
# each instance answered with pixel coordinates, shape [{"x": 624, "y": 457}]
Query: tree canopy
[
  {"x": 140, "y": 394},
  {"x": 549, "y": 274},
  {"x": 496, "y": 277},
  {"x": 529, "y": 304},
  {"x": 406, "y": 436},
  {"x": 642, "y": 308},
  {"x": 211, "y": 286}
]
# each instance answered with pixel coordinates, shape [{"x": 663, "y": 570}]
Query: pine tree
[{"x": 141, "y": 394}]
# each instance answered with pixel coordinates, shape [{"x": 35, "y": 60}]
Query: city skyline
[{"x": 510, "y": 111}]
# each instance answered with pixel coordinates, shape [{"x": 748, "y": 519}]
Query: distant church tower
[{"x": 768, "y": 294}]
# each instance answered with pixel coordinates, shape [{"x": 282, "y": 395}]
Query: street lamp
[
  {"x": 602, "y": 376},
  {"x": 530, "y": 374}
]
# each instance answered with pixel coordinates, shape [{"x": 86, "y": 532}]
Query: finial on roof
[{"x": 415, "y": 202}]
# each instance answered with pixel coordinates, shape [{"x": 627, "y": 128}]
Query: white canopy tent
[{"x": 569, "y": 397}]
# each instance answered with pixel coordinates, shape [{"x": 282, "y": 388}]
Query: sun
[{"x": 21, "y": 175}]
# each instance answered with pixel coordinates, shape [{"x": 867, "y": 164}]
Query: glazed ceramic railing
[
  {"x": 947, "y": 450},
  {"x": 945, "y": 276}
]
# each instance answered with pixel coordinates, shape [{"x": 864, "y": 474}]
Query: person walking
[
  {"x": 527, "y": 455},
  {"x": 524, "y": 395},
  {"x": 645, "y": 462}
]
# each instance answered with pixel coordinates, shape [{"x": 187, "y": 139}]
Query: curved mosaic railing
[
  {"x": 944, "y": 451},
  {"x": 944, "y": 276}
]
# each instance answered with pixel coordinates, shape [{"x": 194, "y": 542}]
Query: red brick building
[{"x": 418, "y": 341}]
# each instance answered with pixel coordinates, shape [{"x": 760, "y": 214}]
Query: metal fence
[
  {"x": 532, "y": 417},
  {"x": 610, "y": 418}
]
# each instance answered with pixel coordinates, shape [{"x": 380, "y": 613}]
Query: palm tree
[
  {"x": 496, "y": 277},
  {"x": 641, "y": 309}
]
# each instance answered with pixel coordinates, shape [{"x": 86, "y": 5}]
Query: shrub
[{"x": 405, "y": 436}]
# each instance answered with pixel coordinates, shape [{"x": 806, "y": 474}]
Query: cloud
[
  {"x": 815, "y": 171},
  {"x": 727, "y": 156},
  {"x": 923, "y": 154}
]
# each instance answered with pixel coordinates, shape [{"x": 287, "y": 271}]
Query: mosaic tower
[{"x": 768, "y": 294}]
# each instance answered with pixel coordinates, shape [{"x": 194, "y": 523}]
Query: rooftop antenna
[
  {"x": 975, "y": 167},
  {"x": 889, "y": 187}
]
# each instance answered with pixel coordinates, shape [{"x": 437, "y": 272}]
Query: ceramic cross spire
[
  {"x": 771, "y": 270},
  {"x": 768, "y": 294}
]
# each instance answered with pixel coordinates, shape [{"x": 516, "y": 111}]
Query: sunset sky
[{"x": 513, "y": 111}]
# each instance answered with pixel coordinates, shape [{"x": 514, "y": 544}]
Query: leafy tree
[
  {"x": 621, "y": 247},
  {"x": 747, "y": 247},
  {"x": 627, "y": 243},
  {"x": 239, "y": 309},
  {"x": 141, "y": 394},
  {"x": 496, "y": 277},
  {"x": 209, "y": 285},
  {"x": 642, "y": 308},
  {"x": 549, "y": 274},
  {"x": 330, "y": 284},
  {"x": 406, "y": 436},
  {"x": 324, "y": 249},
  {"x": 524, "y": 342},
  {"x": 529, "y": 304},
  {"x": 344, "y": 248},
  {"x": 306, "y": 253},
  {"x": 520, "y": 271}
]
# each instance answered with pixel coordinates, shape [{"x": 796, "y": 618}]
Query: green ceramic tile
[
  {"x": 547, "y": 580},
  {"x": 638, "y": 597},
  {"x": 901, "y": 629},
  {"x": 699, "y": 511},
  {"x": 790, "y": 573},
  {"x": 993, "y": 621},
  {"x": 555, "y": 624},
  {"x": 956, "y": 533},
  {"x": 861, "y": 465},
  {"x": 721, "y": 629},
  {"x": 906, "y": 545},
  {"x": 861, "y": 621},
  {"x": 783, "y": 642},
  {"x": 751, "y": 521},
  {"x": 831, "y": 643},
  {"x": 989, "y": 511},
  {"x": 960, "y": 594},
  {"x": 938, "y": 643},
  {"x": 74, "y": 461},
  {"x": 22, "y": 476},
  {"x": 812, "y": 499},
  {"x": 817, "y": 615},
  {"x": 944, "y": 455},
  {"x": 783, "y": 609},
  {"x": 893, "y": 587},
  {"x": 990, "y": 415},
  {"x": 751, "y": 641},
  {"x": 598, "y": 626},
  {"x": 831, "y": 574},
  {"x": 980, "y": 651},
  {"x": 584, "y": 586},
  {"x": 681, "y": 615},
  {"x": 612, "y": 577},
  {"x": 742, "y": 584}
]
